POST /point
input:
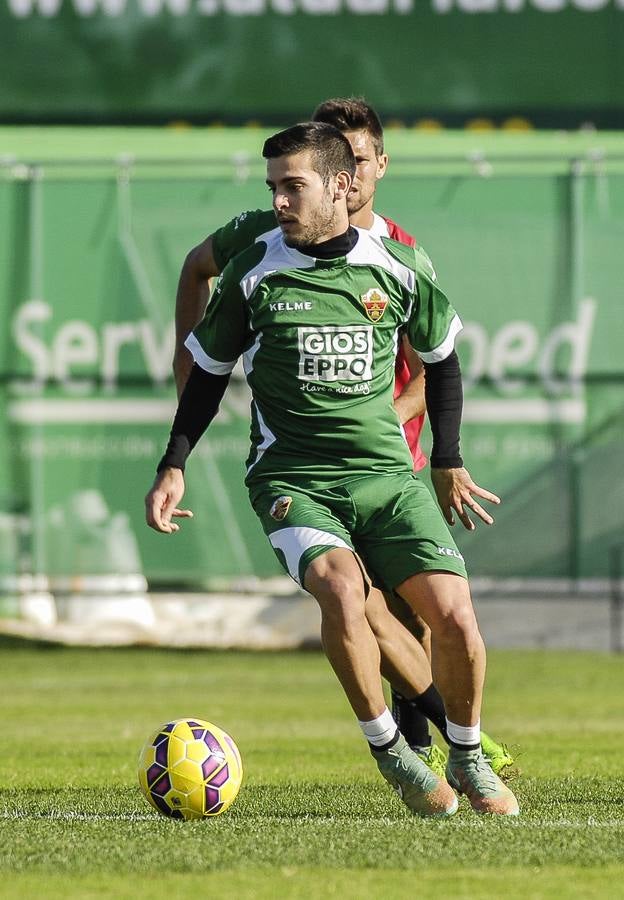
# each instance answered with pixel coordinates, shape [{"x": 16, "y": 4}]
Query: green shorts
[{"x": 391, "y": 521}]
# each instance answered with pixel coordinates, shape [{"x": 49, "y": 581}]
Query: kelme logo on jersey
[
  {"x": 375, "y": 302},
  {"x": 450, "y": 551},
  {"x": 336, "y": 353}
]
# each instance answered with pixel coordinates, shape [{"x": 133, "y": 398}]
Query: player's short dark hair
[
  {"x": 351, "y": 114},
  {"x": 331, "y": 151}
]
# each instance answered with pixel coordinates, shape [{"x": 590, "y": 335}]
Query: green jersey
[
  {"x": 240, "y": 233},
  {"x": 319, "y": 341},
  {"x": 246, "y": 228}
]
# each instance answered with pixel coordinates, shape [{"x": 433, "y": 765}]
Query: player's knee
[
  {"x": 458, "y": 624},
  {"x": 340, "y": 599}
]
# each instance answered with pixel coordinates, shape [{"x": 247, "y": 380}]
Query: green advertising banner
[
  {"x": 138, "y": 60},
  {"x": 531, "y": 262},
  {"x": 88, "y": 269}
]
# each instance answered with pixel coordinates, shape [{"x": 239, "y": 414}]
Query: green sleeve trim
[
  {"x": 401, "y": 252},
  {"x": 414, "y": 258}
]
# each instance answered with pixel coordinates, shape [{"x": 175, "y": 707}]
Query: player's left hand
[{"x": 456, "y": 493}]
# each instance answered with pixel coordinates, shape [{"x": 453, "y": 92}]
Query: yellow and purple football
[{"x": 190, "y": 769}]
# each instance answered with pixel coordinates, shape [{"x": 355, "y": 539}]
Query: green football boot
[
  {"x": 422, "y": 792},
  {"x": 434, "y": 757},
  {"x": 500, "y": 759},
  {"x": 469, "y": 773}
]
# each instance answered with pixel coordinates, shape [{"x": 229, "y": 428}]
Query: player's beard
[
  {"x": 319, "y": 224},
  {"x": 357, "y": 201}
]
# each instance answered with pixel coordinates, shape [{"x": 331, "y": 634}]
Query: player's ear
[
  {"x": 382, "y": 165},
  {"x": 342, "y": 185}
]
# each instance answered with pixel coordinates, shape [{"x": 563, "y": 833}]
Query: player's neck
[
  {"x": 334, "y": 247},
  {"x": 364, "y": 217}
]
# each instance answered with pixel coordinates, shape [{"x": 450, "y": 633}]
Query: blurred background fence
[{"x": 528, "y": 247}]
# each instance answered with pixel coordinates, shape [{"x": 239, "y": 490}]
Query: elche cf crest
[
  {"x": 279, "y": 509},
  {"x": 374, "y": 302}
]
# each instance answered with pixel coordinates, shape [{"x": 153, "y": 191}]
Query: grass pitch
[{"x": 314, "y": 819}]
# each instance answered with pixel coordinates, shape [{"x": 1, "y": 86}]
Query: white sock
[
  {"x": 464, "y": 735},
  {"x": 381, "y": 730}
]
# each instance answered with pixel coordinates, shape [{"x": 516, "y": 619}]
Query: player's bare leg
[
  {"x": 407, "y": 667},
  {"x": 458, "y": 652},
  {"x": 414, "y": 623},
  {"x": 422, "y": 633},
  {"x": 336, "y": 581},
  {"x": 416, "y": 701},
  {"x": 458, "y": 662},
  {"x": 404, "y": 662},
  {"x": 414, "y": 711}
]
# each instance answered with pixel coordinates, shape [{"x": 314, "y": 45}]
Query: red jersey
[{"x": 388, "y": 228}]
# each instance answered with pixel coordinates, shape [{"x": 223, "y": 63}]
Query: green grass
[{"x": 313, "y": 818}]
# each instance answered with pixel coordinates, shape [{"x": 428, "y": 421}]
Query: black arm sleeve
[
  {"x": 198, "y": 406},
  {"x": 444, "y": 397}
]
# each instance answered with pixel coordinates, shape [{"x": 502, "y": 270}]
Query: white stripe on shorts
[{"x": 293, "y": 542}]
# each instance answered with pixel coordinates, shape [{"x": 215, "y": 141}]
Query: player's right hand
[{"x": 161, "y": 503}]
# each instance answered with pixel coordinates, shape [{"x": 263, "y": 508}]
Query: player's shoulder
[
  {"x": 244, "y": 262},
  {"x": 413, "y": 257},
  {"x": 255, "y": 221},
  {"x": 239, "y": 233},
  {"x": 397, "y": 233}
]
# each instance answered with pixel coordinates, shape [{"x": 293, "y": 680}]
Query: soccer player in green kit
[
  {"x": 415, "y": 699},
  {"x": 316, "y": 309}
]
